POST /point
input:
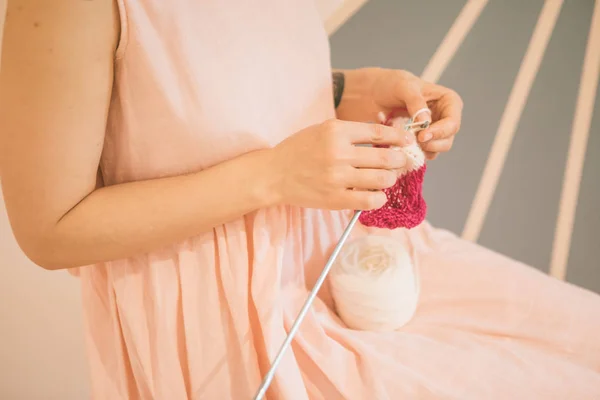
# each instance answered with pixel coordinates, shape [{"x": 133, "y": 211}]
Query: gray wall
[{"x": 522, "y": 217}]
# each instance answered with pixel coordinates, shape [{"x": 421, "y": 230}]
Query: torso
[{"x": 198, "y": 83}]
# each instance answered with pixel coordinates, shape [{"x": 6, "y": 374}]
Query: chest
[{"x": 204, "y": 81}]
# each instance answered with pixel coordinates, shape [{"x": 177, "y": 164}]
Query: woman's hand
[
  {"x": 321, "y": 166},
  {"x": 368, "y": 91}
]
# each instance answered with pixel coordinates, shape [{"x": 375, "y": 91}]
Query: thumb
[
  {"x": 416, "y": 104},
  {"x": 418, "y": 110}
]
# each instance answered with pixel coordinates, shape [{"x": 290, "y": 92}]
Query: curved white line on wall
[
  {"x": 510, "y": 118},
  {"x": 342, "y": 14},
  {"x": 454, "y": 38},
  {"x": 576, "y": 156}
]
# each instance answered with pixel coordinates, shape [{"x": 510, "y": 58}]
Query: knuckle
[
  {"x": 456, "y": 97},
  {"x": 332, "y": 146},
  {"x": 453, "y": 126},
  {"x": 431, "y": 146},
  {"x": 330, "y": 126},
  {"x": 385, "y": 159},
  {"x": 333, "y": 152},
  {"x": 377, "y": 132},
  {"x": 407, "y": 75},
  {"x": 391, "y": 159},
  {"x": 330, "y": 152},
  {"x": 380, "y": 180},
  {"x": 333, "y": 177}
]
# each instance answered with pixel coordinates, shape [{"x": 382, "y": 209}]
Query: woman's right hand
[{"x": 322, "y": 166}]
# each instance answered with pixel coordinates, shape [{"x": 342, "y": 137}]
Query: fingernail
[
  {"x": 408, "y": 138},
  {"x": 426, "y": 136}
]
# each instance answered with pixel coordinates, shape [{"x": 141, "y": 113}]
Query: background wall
[
  {"x": 523, "y": 212},
  {"x": 41, "y": 348}
]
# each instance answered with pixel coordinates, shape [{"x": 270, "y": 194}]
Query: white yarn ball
[{"x": 374, "y": 284}]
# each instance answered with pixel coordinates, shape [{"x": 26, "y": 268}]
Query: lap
[
  {"x": 488, "y": 324},
  {"x": 487, "y": 327},
  {"x": 469, "y": 287}
]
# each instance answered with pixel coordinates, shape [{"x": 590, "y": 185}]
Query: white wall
[{"x": 41, "y": 343}]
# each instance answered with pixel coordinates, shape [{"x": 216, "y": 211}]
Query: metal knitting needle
[
  {"x": 416, "y": 126},
  {"x": 262, "y": 390}
]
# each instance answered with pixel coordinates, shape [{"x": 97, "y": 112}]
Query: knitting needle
[
  {"x": 417, "y": 126},
  {"x": 410, "y": 125},
  {"x": 262, "y": 390}
]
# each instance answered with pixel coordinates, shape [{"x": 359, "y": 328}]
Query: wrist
[
  {"x": 265, "y": 190},
  {"x": 357, "y": 94}
]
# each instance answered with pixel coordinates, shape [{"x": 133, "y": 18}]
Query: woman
[{"x": 190, "y": 156}]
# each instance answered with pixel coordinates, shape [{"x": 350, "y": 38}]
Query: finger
[
  {"x": 449, "y": 121},
  {"x": 448, "y": 115},
  {"x": 379, "y": 158},
  {"x": 439, "y": 146},
  {"x": 410, "y": 92},
  {"x": 377, "y": 134},
  {"x": 371, "y": 179},
  {"x": 442, "y": 129},
  {"x": 431, "y": 156},
  {"x": 363, "y": 200}
]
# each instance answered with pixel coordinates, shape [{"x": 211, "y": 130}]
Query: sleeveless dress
[{"x": 200, "y": 82}]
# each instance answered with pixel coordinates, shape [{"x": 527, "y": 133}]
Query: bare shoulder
[
  {"x": 66, "y": 23},
  {"x": 56, "y": 76}
]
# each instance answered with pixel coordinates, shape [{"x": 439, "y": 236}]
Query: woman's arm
[
  {"x": 55, "y": 86},
  {"x": 352, "y": 88}
]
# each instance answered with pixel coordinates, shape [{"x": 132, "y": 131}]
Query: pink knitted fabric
[{"x": 405, "y": 206}]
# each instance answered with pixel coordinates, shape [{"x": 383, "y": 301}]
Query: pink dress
[{"x": 200, "y": 82}]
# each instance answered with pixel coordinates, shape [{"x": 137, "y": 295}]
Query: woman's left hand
[{"x": 368, "y": 91}]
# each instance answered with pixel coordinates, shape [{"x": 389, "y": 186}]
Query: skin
[
  {"x": 368, "y": 91},
  {"x": 55, "y": 88}
]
